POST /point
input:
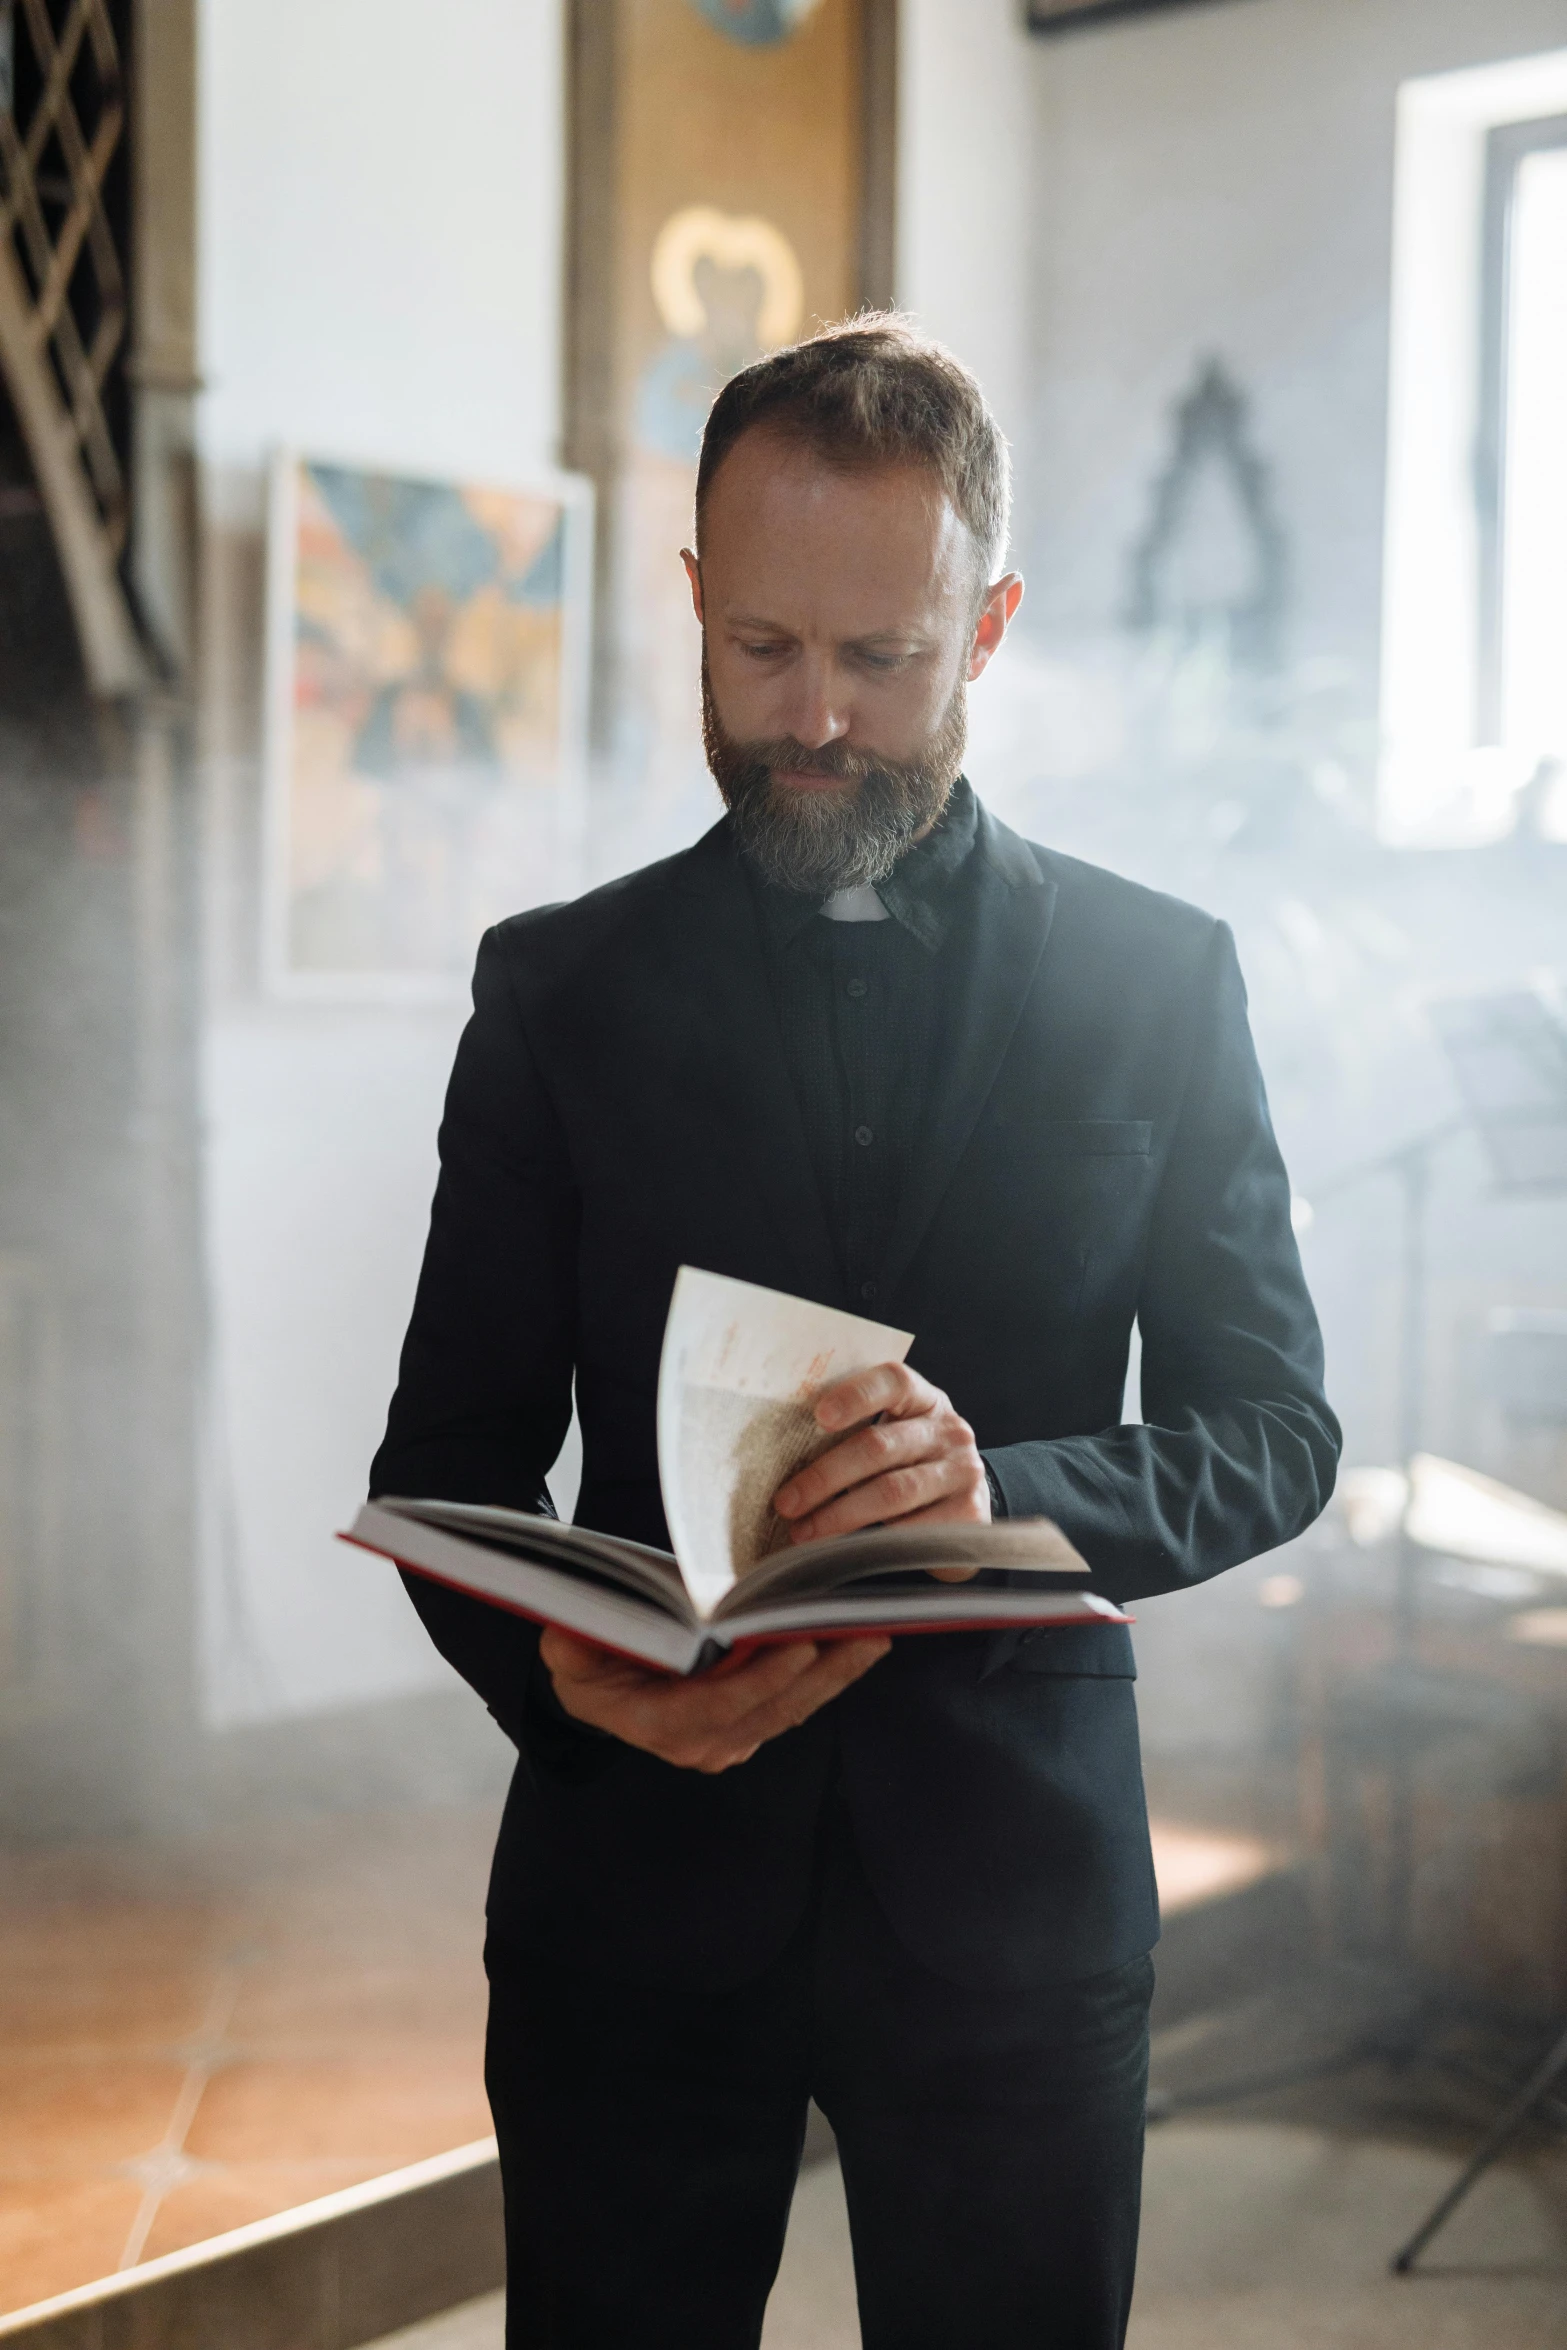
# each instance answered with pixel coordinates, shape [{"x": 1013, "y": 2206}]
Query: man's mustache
[{"x": 786, "y": 756}]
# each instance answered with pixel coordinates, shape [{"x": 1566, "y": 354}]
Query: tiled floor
[
  {"x": 191, "y": 2039},
  {"x": 197, "y": 2037},
  {"x": 1257, "y": 2235}
]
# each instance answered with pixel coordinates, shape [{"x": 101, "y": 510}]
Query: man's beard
[{"x": 819, "y": 840}]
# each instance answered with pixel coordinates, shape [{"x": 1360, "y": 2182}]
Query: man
[{"x": 863, "y": 1044}]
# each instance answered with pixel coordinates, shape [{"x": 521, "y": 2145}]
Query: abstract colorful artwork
[{"x": 427, "y": 678}]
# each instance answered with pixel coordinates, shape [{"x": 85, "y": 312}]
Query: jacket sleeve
[
  {"x": 483, "y": 1396},
  {"x": 1239, "y": 1448}
]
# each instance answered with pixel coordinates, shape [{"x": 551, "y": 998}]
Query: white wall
[
  {"x": 380, "y": 208},
  {"x": 1221, "y": 180},
  {"x": 965, "y": 208},
  {"x": 320, "y": 1164},
  {"x": 381, "y": 197}
]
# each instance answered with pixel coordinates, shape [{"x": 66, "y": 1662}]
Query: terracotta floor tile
[
  {"x": 353, "y": 1947},
  {"x": 56, "y": 2233},
  {"x": 117, "y": 2008},
  {"x": 234, "y": 2194},
  {"x": 90, "y": 1920},
  {"x": 339, "y": 1998},
  {"x": 56, "y": 2115},
  {"x": 385, "y": 2113}
]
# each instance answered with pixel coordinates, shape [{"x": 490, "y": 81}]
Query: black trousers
[{"x": 991, "y": 2143}]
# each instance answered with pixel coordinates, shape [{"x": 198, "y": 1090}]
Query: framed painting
[
  {"x": 427, "y": 676},
  {"x": 731, "y": 182}
]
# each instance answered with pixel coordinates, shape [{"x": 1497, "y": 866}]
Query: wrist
[{"x": 565, "y": 1747}]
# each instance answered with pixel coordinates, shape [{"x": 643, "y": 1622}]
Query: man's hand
[
  {"x": 918, "y": 1461},
  {"x": 717, "y": 1718}
]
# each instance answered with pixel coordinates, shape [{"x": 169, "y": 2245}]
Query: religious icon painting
[
  {"x": 426, "y": 721},
  {"x": 749, "y": 144}
]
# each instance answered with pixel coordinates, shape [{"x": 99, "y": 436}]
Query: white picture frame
[{"x": 425, "y": 724}]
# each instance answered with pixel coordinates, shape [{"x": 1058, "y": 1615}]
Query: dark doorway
[{"x": 40, "y": 657}]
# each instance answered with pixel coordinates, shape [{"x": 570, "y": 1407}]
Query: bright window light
[
  {"x": 1474, "y": 622},
  {"x": 1534, "y": 498}
]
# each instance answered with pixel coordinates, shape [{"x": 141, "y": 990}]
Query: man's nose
[{"x": 818, "y": 711}]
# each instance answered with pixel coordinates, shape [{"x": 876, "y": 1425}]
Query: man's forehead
[
  {"x": 871, "y": 535},
  {"x": 784, "y": 474}
]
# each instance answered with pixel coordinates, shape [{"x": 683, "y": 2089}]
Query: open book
[{"x": 740, "y": 1371}]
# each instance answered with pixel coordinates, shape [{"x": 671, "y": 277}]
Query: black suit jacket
[{"x": 1096, "y": 1148}]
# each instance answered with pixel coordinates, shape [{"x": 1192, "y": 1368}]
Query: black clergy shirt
[{"x": 859, "y": 1005}]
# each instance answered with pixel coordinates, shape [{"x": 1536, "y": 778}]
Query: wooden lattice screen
[{"x": 62, "y": 299}]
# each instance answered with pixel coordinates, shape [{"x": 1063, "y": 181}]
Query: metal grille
[{"x": 62, "y": 296}]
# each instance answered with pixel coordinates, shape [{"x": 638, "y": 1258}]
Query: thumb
[{"x": 564, "y": 1653}]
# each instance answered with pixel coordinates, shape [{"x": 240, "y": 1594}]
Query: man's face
[{"x": 839, "y": 629}]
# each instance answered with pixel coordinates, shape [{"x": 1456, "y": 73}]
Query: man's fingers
[
  {"x": 888, "y": 1387},
  {"x": 563, "y": 1652},
  {"x": 865, "y": 1454},
  {"x": 841, "y": 1664},
  {"x": 898, "y": 1495},
  {"x": 717, "y": 1719},
  {"x": 720, "y": 1699},
  {"x": 583, "y": 1664},
  {"x": 649, "y": 1708},
  {"x": 731, "y": 1689}
]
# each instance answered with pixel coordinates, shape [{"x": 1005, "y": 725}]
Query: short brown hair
[{"x": 870, "y": 391}]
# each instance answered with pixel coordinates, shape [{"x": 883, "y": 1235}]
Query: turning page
[{"x": 740, "y": 1371}]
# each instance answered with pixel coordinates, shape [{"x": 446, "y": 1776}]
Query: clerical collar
[
  {"x": 860, "y": 904},
  {"x": 920, "y": 892}
]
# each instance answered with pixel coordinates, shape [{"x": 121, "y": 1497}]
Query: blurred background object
[{"x": 1266, "y": 294}]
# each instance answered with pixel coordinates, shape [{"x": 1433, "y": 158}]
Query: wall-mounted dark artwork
[
  {"x": 1062, "y": 16},
  {"x": 1212, "y": 562}
]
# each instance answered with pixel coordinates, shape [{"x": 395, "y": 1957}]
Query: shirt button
[
  {"x": 856, "y": 987},
  {"x": 868, "y": 1291},
  {"x": 864, "y": 1137}
]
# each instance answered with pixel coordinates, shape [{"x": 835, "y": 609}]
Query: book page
[
  {"x": 740, "y": 1371},
  {"x": 1029, "y": 1546}
]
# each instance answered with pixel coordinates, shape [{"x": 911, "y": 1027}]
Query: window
[
  {"x": 1474, "y": 638},
  {"x": 1522, "y": 473}
]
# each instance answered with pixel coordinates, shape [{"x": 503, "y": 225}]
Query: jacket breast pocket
[
  {"x": 1089, "y": 1138},
  {"x": 1097, "y": 1652}
]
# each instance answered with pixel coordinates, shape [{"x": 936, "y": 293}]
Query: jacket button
[{"x": 864, "y": 1137}]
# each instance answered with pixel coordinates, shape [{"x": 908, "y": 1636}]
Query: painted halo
[{"x": 730, "y": 241}]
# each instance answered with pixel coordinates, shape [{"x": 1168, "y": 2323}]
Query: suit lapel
[
  {"x": 995, "y": 957},
  {"x": 713, "y": 949}
]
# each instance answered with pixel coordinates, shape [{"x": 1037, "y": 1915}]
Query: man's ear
[
  {"x": 995, "y": 615},
  {"x": 694, "y": 575}
]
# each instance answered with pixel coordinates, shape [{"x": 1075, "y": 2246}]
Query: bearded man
[{"x": 864, "y": 1044}]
